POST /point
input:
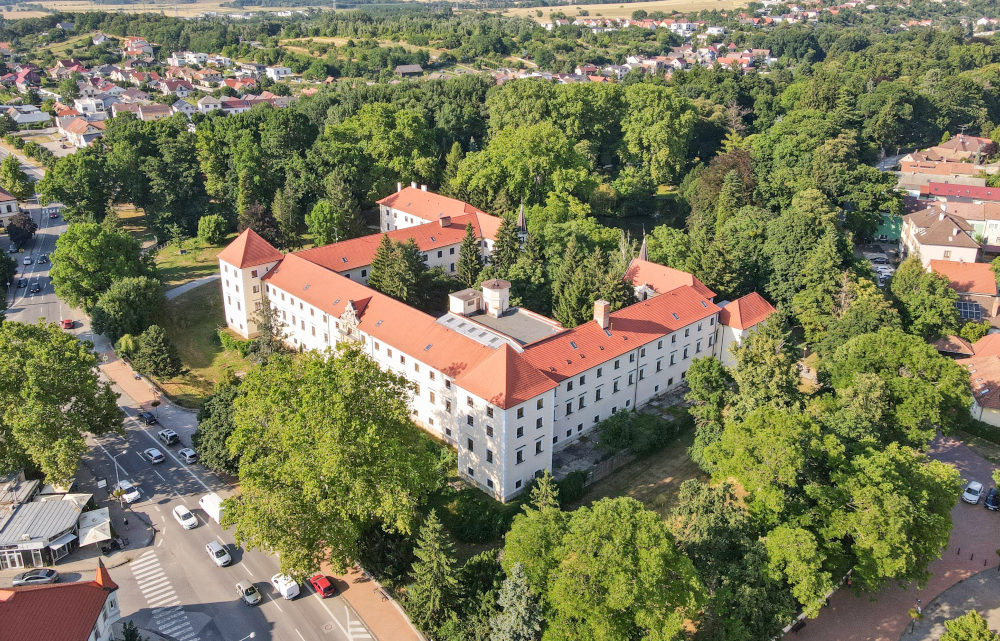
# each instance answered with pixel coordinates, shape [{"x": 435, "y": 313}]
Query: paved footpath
[
  {"x": 980, "y": 592},
  {"x": 186, "y": 287},
  {"x": 975, "y": 537}
]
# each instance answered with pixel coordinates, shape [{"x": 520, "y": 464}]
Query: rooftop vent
[
  {"x": 379, "y": 323},
  {"x": 674, "y": 314}
]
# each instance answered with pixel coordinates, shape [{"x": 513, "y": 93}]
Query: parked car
[
  {"x": 992, "y": 501},
  {"x": 66, "y": 323},
  {"x": 973, "y": 492},
  {"x": 167, "y": 436},
  {"x": 13, "y": 249},
  {"x": 248, "y": 592},
  {"x": 147, "y": 418},
  {"x": 184, "y": 516},
  {"x": 130, "y": 492},
  {"x": 187, "y": 455},
  {"x": 153, "y": 455},
  {"x": 22, "y": 282},
  {"x": 27, "y": 260},
  {"x": 218, "y": 553},
  {"x": 35, "y": 288},
  {"x": 323, "y": 585},
  {"x": 285, "y": 586},
  {"x": 54, "y": 214},
  {"x": 38, "y": 576}
]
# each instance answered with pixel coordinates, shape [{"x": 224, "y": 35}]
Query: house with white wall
[{"x": 935, "y": 234}]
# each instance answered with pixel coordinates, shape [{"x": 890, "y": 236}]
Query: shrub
[
  {"x": 572, "y": 487},
  {"x": 233, "y": 344},
  {"x": 212, "y": 229},
  {"x": 640, "y": 433}
]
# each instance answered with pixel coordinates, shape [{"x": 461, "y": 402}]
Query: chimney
[
  {"x": 423, "y": 187},
  {"x": 444, "y": 220},
  {"x": 413, "y": 184},
  {"x": 602, "y": 313},
  {"x": 399, "y": 186}
]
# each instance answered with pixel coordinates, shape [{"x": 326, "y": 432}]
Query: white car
[
  {"x": 187, "y": 454},
  {"x": 130, "y": 491},
  {"x": 285, "y": 586},
  {"x": 218, "y": 553},
  {"x": 153, "y": 455},
  {"x": 183, "y": 516},
  {"x": 973, "y": 492}
]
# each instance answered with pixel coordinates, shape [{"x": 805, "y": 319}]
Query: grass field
[
  {"x": 653, "y": 480},
  {"x": 191, "y": 321},
  {"x": 624, "y": 10},
  {"x": 197, "y": 261},
  {"x": 186, "y": 10}
]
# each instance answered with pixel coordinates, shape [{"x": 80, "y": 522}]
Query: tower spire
[
  {"x": 643, "y": 252},
  {"x": 522, "y": 223}
]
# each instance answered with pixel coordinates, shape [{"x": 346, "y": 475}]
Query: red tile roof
[
  {"x": 967, "y": 278},
  {"x": 358, "y": 252},
  {"x": 588, "y": 345},
  {"x": 505, "y": 379},
  {"x": 427, "y": 204},
  {"x": 746, "y": 312},
  {"x": 952, "y": 344},
  {"x": 960, "y": 191},
  {"x": 988, "y": 345},
  {"x": 27, "y": 612},
  {"x": 661, "y": 278},
  {"x": 248, "y": 250},
  {"x": 984, "y": 377}
]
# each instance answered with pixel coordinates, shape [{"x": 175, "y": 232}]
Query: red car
[
  {"x": 323, "y": 586},
  {"x": 66, "y": 324}
]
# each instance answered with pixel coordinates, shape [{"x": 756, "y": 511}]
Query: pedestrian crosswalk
[
  {"x": 169, "y": 618},
  {"x": 356, "y": 630}
]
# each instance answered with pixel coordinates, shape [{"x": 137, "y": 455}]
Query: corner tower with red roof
[{"x": 242, "y": 265}]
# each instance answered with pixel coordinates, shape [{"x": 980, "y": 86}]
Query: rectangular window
[
  {"x": 538, "y": 422},
  {"x": 489, "y": 430},
  {"x": 447, "y": 406},
  {"x": 697, "y": 347},
  {"x": 642, "y": 374},
  {"x": 519, "y": 456},
  {"x": 569, "y": 408},
  {"x": 711, "y": 321},
  {"x": 555, "y": 439},
  {"x": 659, "y": 365},
  {"x": 569, "y": 386},
  {"x": 687, "y": 332},
  {"x": 416, "y": 389},
  {"x": 256, "y": 289},
  {"x": 617, "y": 364},
  {"x": 402, "y": 359},
  {"x": 432, "y": 397},
  {"x": 685, "y": 352},
  {"x": 432, "y": 374},
  {"x": 540, "y": 404},
  {"x": 631, "y": 358},
  {"x": 256, "y": 306},
  {"x": 659, "y": 344},
  {"x": 451, "y": 251},
  {"x": 614, "y": 387},
  {"x": 580, "y": 403},
  {"x": 520, "y": 412},
  {"x": 642, "y": 352},
  {"x": 388, "y": 351},
  {"x": 364, "y": 273},
  {"x": 673, "y": 357},
  {"x": 489, "y": 411},
  {"x": 569, "y": 432},
  {"x": 253, "y": 274},
  {"x": 711, "y": 340},
  {"x": 520, "y": 432},
  {"x": 489, "y": 456},
  {"x": 468, "y": 401},
  {"x": 630, "y": 379},
  {"x": 538, "y": 446},
  {"x": 416, "y": 367},
  {"x": 600, "y": 372},
  {"x": 440, "y": 253},
  {"x": 468, "y": 444},
  {"x": 447, "y": 384},
  {"x": 583, "y": 379},
  {"x": 489, "y": 483},
  {"x": 471, "y": 471},
  {"x": 597, "y": 394},
  {"x": 469, "y": 420},
  {"x": 673, "y": 338}
]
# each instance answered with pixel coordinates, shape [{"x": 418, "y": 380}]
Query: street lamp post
[{"x": 118, "y": 480}]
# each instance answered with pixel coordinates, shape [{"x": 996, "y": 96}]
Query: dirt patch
[{"x": 653, "y": 480}]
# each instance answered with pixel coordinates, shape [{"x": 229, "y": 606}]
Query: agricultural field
[
  {"x": 623, "y": 10},
  {"x": 180, "y": 10}
]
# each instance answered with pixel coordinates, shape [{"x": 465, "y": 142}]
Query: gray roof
[
  {"x": 409, "y": 69},
  {"x": 41, "y": 521}
]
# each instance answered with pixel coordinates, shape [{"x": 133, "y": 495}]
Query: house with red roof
[
  {"x": 504, "y": 385},
  {"x": 79, "y": 611},
  {"x": 976, "y": 286}
]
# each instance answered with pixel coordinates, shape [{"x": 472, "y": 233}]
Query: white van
[
  {"x": 212, "y": 504},
  {"x": 285, "y": 586}
]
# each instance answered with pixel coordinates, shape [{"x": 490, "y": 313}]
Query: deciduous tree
[
  {"x": 14, "y": 180},
  {"x": 971, "y": 626},
  {"x": 128, "y": 306},
  {"x": 212, "y": 228},
  {"x": 215, "y": 424},
  {"x": 155, "y": 355},
  {"x": 21, "y": 228}
]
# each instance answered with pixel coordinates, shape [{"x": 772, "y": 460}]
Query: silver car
[
  {"x": 248, "y": 592},
  {"x": 218, "y": 553},
  {"x": 38, "y": 576}
]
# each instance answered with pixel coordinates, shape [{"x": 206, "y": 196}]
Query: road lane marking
[
  {"x": 156, "y": 507},
  {"x": 160, "y": 475},
  {"x": 322, "y": 602},
  {"x": 300, "y": 634},
  {"x": 143, "y": 429}
]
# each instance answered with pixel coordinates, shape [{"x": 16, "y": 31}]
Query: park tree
[
  {"x": 657, "y": 128},
  {"x": 619, "y": 575},
  {"x": 14, "y": 180},
  {"x": 215, "y": 424},
  {"x": 971, "y": 626},
  {"x": 21, "y": 228},
  {"x": 212, "y": 229},
  {"x": 668, "y": 246},
  {"x": 796, "y": 556},
  {"x": 924, "y": 390},
  {"x": 571, "y": 296},
  {"x": 260, "y": 219},
  {"x": 331, "y": 221},
  {"x": 270, "y": 338},
  {"x": 710, "y": 387},
  {"x": 80, "y": 181},
  {"x": 531, "y": 542},
  {"x": 155, "y": 355},
  {"x": 90, "y": 257},
  {"x": 766, "y": 370},
  {"x": 793, "y": 238},
  {"x": 50, "y": 398},
  {"x": 398, "y": 270},
  {"x": 925, "y": 300},
  {"x": 520, "y": 616},
  {"x": 470, "y": 261},
  {"x": 128, "y": 306},
  {"x": 433, "y": 593},
  {"x": 365, "y": 460}
]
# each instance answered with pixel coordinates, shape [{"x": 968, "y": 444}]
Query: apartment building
[
  {"x": 413, "y": 205},
  {"x": 503, "y": 385}
]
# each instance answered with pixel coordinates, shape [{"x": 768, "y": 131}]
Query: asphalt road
[
  {"x": 174, "y": 587},
  {"x": 22, "y": 306}
]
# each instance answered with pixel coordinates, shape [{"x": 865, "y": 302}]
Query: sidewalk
[
  {"x": 384, "y": 617},
  {"x": 980, "y": 593},
  {"x": 186, "y": 287}
]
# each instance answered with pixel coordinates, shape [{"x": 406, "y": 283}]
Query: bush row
[
  {"x": 31, "y": 149},
  {"x": 234, "y": 344}
]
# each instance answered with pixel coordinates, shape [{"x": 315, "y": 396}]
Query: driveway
[{"x": 975, "y": 537}]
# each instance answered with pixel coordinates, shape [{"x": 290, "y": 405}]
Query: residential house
[
  {"x": 66, "y": 25},
  {"x": 179, "y": 88},
  {"x": 124, "y": 107},
  {"x": 184, "y": 107},
  {"x": 935, "y": 234},
  {"x": 27, "y": 79},
  {"x": 8, "y": 207},
  {"x": 234, "y": 106},
  {"x": 917, "y": 183},
  {"x": 81, "y": 132},
  {"x": 135, "y": 46},
  {"x": 240, "y": 84},
  {"x": 76, "y": 611},
  {"x": 134, "y": 95},
  {"x": 976, "y": 286},
  {"x": 92, "y": 107},
  {"x": 209, "y": 103},
  {"x": 951, "y": 192},
  {"x": 277, "y": 73},
  {"x": 984, "y": 377},
  {"x": 154, "y": 112},
  {"x": 27, "y": 115},
  {"x": 99, "y": 38},
  {"x": 503, "y": 385},
  {"x": 408, "y": 71},
  {"x": 963, "y": 148}
]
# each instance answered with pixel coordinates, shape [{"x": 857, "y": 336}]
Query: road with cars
[
  {"x": 174, "y": 586},
  {"x": 26, "y": 306}
]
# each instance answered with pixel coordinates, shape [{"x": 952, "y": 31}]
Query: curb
[{"x": 933, "y": 604}]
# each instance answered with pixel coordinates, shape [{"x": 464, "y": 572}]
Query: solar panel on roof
[{"x": 969, "y": 310}]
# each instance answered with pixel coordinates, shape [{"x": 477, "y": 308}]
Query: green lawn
[
  {"x": 191, "y": 321},
  {"x": 197, "y": 261}
]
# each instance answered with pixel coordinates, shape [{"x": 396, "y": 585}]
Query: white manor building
[{"x": 503, "y": 385}]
